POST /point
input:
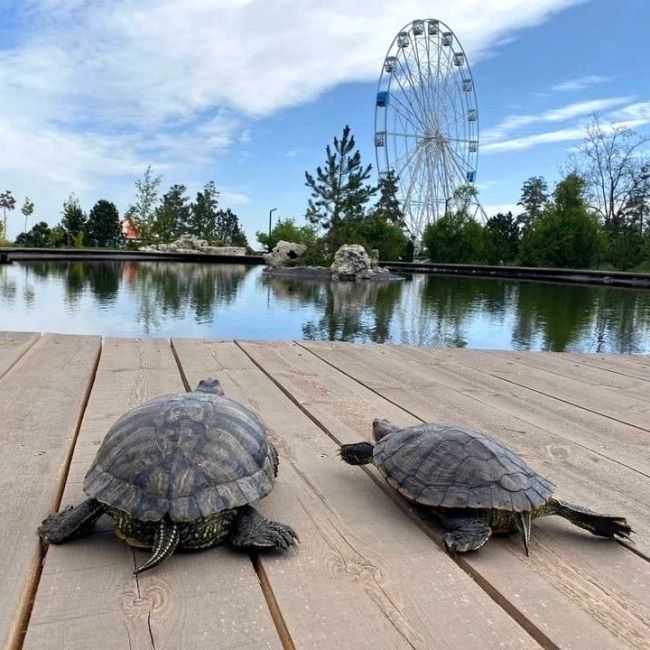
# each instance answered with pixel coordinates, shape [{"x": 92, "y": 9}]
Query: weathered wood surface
[
  {"x": 41, "y": 400},
  {"x": 370, "y": 571}
]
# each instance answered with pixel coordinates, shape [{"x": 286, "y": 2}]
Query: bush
[{"x": 454, "y": 238}]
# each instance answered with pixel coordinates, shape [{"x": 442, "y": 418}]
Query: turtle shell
[
  {"x": 451, "y": 467},
  {"x": 187, "y": 456}
]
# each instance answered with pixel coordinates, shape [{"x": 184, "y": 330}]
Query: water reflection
[{"x": 237, "y": 301}]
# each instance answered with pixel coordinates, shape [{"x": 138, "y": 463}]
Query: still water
[{"x": 237, "y": 301}]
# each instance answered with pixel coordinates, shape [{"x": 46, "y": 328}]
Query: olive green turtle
[
  {"x": 474, "y": 484},
  {"x": 180, "y": 471}
]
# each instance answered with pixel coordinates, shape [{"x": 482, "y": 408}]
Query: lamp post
[{"x": 270, "y": 213}]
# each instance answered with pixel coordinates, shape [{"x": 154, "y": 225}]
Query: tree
[
  {"x": 141, "y": 215},
  {"x": 38, "y": 236},
  {"x": 27, "y": 209},
  {"x": 377, "y": 232},
  {"x": 567, "y": 234},
  {"x": 454, "y": 238},
  {"x": 612, "y": 163},
  {"x": 227, "y": 229},
  {"x": 339, "y": 192},
  {"x": 73, "y": 220},
  {"x": 173, "y": 214},
  {"x": 501, "y": 239},
  {"x": 103, "y": 225},
  {"x": 203, "y": 216},
  {"x": 7, "y": 202},
  {"x": 387, "y": 205},
  {"x": 534, "y": 196}
]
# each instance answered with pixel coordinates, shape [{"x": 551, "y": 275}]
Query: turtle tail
[
  {"x": 164, "y": 544},
  {"x": 358, "y": 453},
  {"x": 601, "y": 525}
]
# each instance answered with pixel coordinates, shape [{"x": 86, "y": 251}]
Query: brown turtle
[
  {"x": 475, "y": 484},
  {"x": 180, "y": 471}
]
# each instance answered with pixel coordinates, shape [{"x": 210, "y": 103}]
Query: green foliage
[
  {"x": 454, "y": 238},
  {"x": 103, "y": 225},
  {"x": 624, "y": 249},
  {"x": 38, "y": 236},
  {"x": 58, "y": 237},
  {"x": 567, "y": 234},
  {"x": 142, "y": 214},
  {"x": 227, "y": 229},
  {"x": 534, "y": 196},
  {"x": 287, "y": 230},
  {"x": 73, "y": 220},
  {"x": 388, "y": 206},
  {"x": 172, "y": 216},
  {"x": 377, "y": 232},
  {"x": 339, "y": 192},
  {"x": 501, "y": 241},
  {"x": 203, "y": 216}
]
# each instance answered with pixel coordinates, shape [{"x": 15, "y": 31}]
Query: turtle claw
[{"x": 254, "y": 532}]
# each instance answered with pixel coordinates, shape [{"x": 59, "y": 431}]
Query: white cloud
[
  {"x": 528, "y": 141},
  {"x": 577, "y": 109},
  {"x": 292, "y": 153},
  {"x": 581, "y": 83},
  {"x": 93, "y": 91}
]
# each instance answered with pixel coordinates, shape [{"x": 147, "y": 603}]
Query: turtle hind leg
[
  {"x": 250, "y": 530},
  {"x": 357, "y": 453},
  {"x": 72, "y": 522},
  {"x": 464, "y": 532},
  {"x": 601, "y": 525}
]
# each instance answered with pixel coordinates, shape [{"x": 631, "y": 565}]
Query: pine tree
[
  {"x": 388, "y": 205},
  {"x": 227, "y": 229},
  {"x": 339, "y": 192},
  {"x": 73, "y": 220},
  {"x": 173, "y": 214},
  {"x": 534, "y": 196},
  {"x": 203, "y": 218},
  {"x": 103, "y": 225}
]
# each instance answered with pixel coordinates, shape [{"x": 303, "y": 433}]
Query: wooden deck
[{"x": 370, "y": 571}]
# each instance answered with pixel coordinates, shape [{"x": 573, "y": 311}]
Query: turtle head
[
  {"x": 209, "y": 385},
  {"x": 381, "y": 428}
]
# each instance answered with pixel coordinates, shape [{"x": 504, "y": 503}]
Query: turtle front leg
[
  {"x": 73, "y": 522},
  {"x": 250, "y": 530},
  {"x": 464, "y": 532}
]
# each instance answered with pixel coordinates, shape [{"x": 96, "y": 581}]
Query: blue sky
[{"x": 249, "y": 92}]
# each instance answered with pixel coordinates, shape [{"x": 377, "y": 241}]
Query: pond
[{"x": 120, "y": 298}]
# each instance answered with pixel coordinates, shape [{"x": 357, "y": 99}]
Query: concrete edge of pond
[{"x": 574, "y": 276}]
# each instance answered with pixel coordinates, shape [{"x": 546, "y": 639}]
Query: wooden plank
[
  {"x": 13, "y": 346},
  {"x": 623, "y": 364},
  {"x": 563, "y": 366},
  {"x": 633, "y": 410},
  {"x": 460, "y": 370},
  {"x": 574, "y": 587},
  {"x": 364, "y": 576},
  {"x": 88, "y": 596},
  {"x": 42, "y": 399}
]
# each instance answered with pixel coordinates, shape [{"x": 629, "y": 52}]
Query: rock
[
  {"x": 284, "y": 254},
  {"x": 351, "y": 262},
  {"x": 192, "y": 244}
]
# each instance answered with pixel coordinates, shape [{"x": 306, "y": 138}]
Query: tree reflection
[{"x": 348, "y": 311}]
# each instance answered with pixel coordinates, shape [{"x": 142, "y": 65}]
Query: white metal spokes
[{"x": 426, "y": 120}]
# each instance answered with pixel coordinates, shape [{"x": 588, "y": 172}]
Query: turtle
[
  {"x": 474, "y": 484},
  {"x": 180, "y": 471}
]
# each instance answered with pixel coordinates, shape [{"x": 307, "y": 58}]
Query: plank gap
[{"x": 272, "y": 604}]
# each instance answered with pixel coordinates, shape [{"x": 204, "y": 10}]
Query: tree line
[
  {"x": 597, "y": 215},
  {"x": 151, "y": 218}
]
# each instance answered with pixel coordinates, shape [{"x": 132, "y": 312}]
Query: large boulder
[
  {"x": 351, "y": 262},
  {"x": 285, "y": 253}
]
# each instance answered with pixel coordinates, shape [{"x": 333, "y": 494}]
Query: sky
[{"x": 248, "y": 93}]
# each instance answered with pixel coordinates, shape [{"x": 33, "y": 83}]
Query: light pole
[{"x": 270, "y": 213}]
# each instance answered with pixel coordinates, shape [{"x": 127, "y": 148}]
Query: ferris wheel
[{"x": 426, "y": 122}]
